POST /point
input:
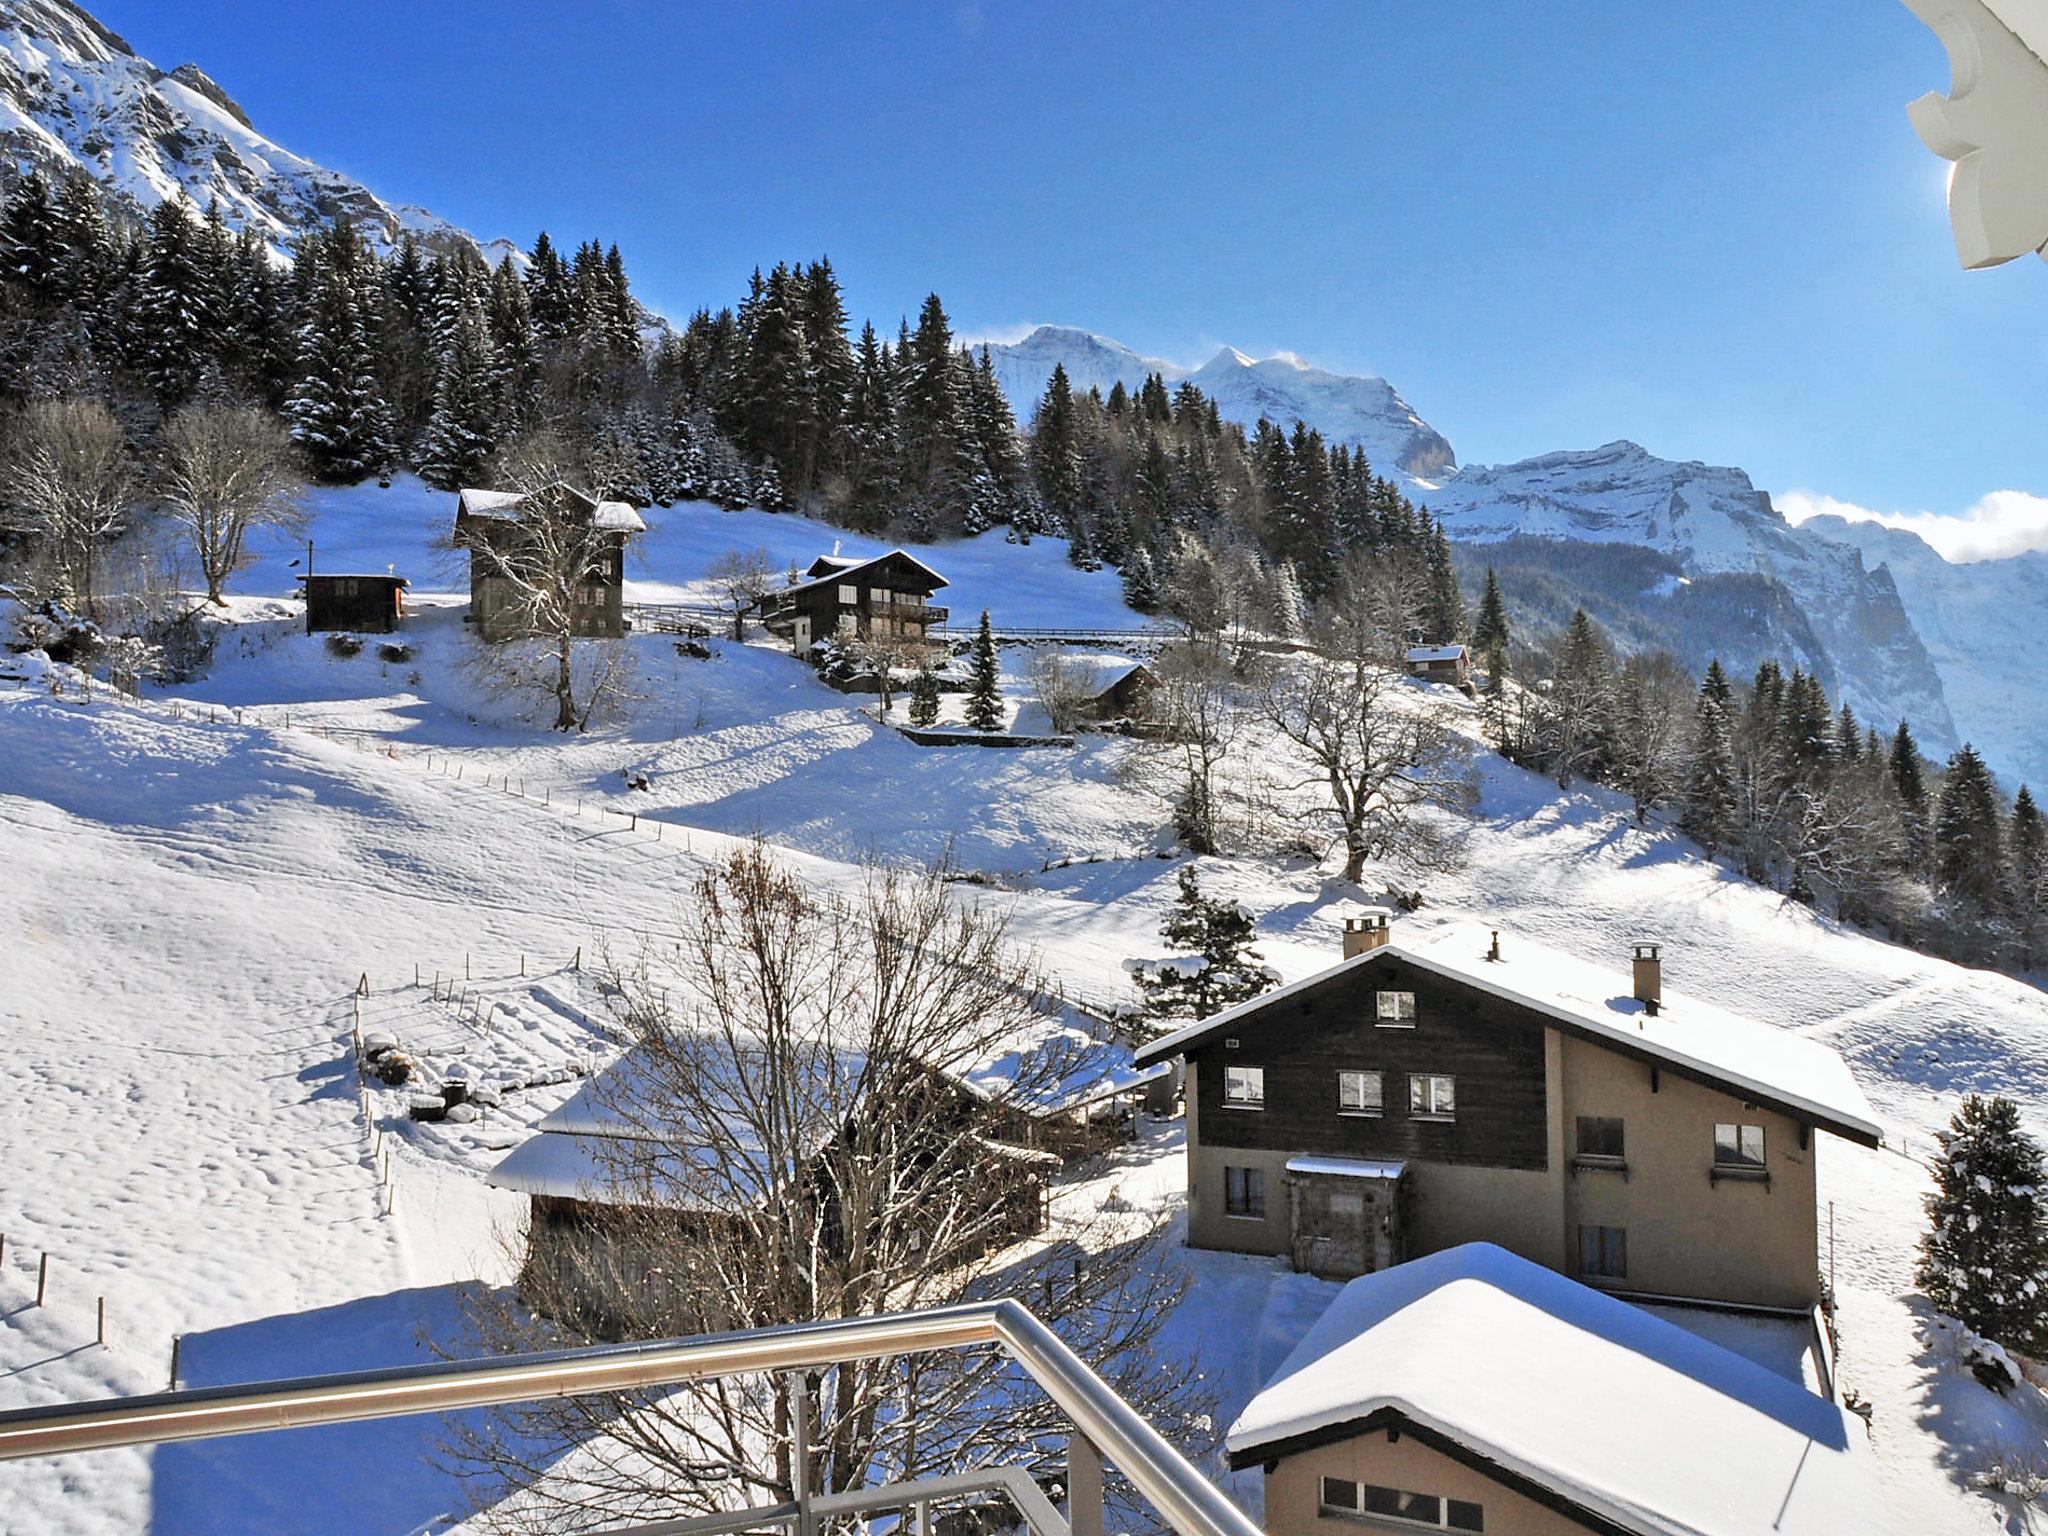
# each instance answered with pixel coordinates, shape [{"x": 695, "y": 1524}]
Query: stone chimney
[
  {"x": 1368, "y": 930},
  {"x": 1647, "y": 971}
]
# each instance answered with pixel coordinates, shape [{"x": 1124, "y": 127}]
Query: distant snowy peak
[
  {"x": 1345, "y": 408},
  {"x": 74, "y": 94}
]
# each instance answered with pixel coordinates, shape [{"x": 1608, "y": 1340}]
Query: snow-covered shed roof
[
  {"x": 385, "y": 576},
  {"x": 1569, "y": 1395},
  {"x": 1766, "y": 1064},
  {"x": 508, "y": 507},
  {"x": 1421, "y": 654}
]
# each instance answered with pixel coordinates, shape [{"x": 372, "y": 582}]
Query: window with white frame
[
  {"x": 1739, "y": 1148},
  {"x": 1374, "y": 1503},
  {"x": 1359, "y": 1093},
  {"x": 1244, "y": 1087},
  {"x": 849, "y": 595},
  {"x": 1244, "y": 1192},
  {"x": 1432, "y": 1096},
  {"x": 1394, "y": 1010}
]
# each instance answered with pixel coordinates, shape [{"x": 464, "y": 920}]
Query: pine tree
[
  {"x": 1710, "y": 806},
  {"x": 463, "y": 431},
  {"x": 1969, "y": 857},
  {"x": 1985, "y": 1254},
  {"x": 984, "y": 699},
  {"x": 2027, "y": 840},
  {"x": 1910, "y": 784},
  {"x": 924, "y": 694},
  {"x": 1141, "y": 581},
  {"x": 338, "y": 412},
  {"x": 1055, "y": 454},
  {"x": 1219, "y": 935},
  {"x": 1490, "y": 635},
  {"x": 31, "y": 241},
  {"x": 173, "y": 322}
]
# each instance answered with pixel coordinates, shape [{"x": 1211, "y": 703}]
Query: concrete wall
[
  {"x": 1689, "y": 1234},
  {"x": 1293, "y": 1489}
]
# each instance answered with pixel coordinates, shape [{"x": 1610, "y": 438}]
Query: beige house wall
[
  {"x": 1689, "y": 1234},
  {"x": 1293, "y": 1489}
]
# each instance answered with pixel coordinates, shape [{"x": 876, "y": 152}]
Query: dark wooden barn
[{"x": 345, "y": 602}]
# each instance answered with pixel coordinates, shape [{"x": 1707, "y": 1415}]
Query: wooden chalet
[
  {"x": 347, "y": 602},
  {"x": 489, "y": 525},
  {"x": 1126, "y": 690},
  {"x": 1462, "y": 1086},
  {"x": 1450, "y": 663},
  {"x": 884, "y": 597}
]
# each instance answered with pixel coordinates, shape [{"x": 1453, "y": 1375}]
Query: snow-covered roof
[
  {"x": 355, "y": 576},
  {"x": 506, "y": 507},
  {"x": 1419, "y": 654},
  {"x": 1348, "y": 1167},
  {"x": 603, "y": 1170},
  {"x": 1581, "y": 1396},
  {"x": 842, "y": 566},
  {"x": 1766, "y": 1064}
]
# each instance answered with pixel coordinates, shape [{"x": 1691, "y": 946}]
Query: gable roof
[
  {"x": 836, "y": 568},
  {"x": 1418, "y": 654},
  {"x": 510, "y": 506},
  {"x": 1763, "y": 1063},
  {"x": 1574, "y": 1397}
]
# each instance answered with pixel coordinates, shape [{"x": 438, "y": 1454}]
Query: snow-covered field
[{"x": 195, "y": 884}]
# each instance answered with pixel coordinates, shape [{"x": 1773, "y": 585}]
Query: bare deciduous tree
[
  {"x": 1200, "y": 708},
  {"x": 790, "y": 1146},
  {"x": 1064, "y": 685},
  {"x": 883, "y": 655},
  {"x": 66, "y": 480},
  {"x": 1382, "y": 752},
  {"x": 222, "y": 471},
  {"x": 741, "y": 577}
]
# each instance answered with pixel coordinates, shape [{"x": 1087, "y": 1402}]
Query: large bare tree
[
  {"x": 790, "y": 1146},
  {"x": 66, "y": 480},
  {"x": 224, "y": 471},
  {"x": 1065, "y": 685},
  {"x": 741, "y": 578},
  {"x": 1382, "y": 753}
]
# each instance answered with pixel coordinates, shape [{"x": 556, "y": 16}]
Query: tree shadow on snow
[
  {"x": 1977, "y": 1428},
  {"x": 364, "y": 1479}
]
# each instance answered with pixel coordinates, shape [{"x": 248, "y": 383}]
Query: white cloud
[{"x": 1999, "y": 524}]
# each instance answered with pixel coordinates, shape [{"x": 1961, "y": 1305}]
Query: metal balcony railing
[{"x": 1105, "y": 1429}]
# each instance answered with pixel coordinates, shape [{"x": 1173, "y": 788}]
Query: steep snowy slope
[
  {"x": 1985, "y": 624},
  {"x": 1345, "y": 408},
  {"x": 1714, "y": 522},
  {"x": 74, "y": 94}
]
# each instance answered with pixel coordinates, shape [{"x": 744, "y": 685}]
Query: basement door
[{"x": 1343, "y": 1225}]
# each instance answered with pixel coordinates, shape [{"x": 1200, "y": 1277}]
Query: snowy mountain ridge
[
  {"x": 1346, "y": 408},
  {"x": 73, "y": 94}
]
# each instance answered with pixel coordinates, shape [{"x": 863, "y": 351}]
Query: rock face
[
  {"x": 1984, "y": 623},
  {"x": 1346, "y": 408},
  {"x": 1844, "y": 619},
  {"x": 74, "y": 94}
]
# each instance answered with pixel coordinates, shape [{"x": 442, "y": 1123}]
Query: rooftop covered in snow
[
  {"x": 510, "y": 507},
  {"x": 1626, "y": 1421},
  {"x": 1765, "y": 1064}
]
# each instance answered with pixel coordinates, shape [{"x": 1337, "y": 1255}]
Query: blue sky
[{"x": 1705, "y": 227}]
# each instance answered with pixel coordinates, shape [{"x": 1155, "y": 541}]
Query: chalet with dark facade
[
  {"x": 1124, "y": 692},
  {"x": 1459, "y": 1086},
  {"x": 886, "y": 596},
  {"x": 491, "y": 524},
  {"x": 1450, "y": 664},
  {"x": 347, "y": 603}
]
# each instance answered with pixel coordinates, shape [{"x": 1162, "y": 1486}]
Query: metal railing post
[
  {"x": 799, "y": 1394},
  {"x": 1084, "y": 1485}
]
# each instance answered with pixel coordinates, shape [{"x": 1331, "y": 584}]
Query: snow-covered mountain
[
  {"x": 1712, "y": 521},
  {"x": 1346, "y": 408},
  {"x": 74, "y": 94},
  {"x": 1985, "y": 624}
]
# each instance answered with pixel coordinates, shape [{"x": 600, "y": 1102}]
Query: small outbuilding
[
  {"x": 1123, "y": 693},
  {"x": 1440, "y": 663},
  {"x": 347, "y": 602}
]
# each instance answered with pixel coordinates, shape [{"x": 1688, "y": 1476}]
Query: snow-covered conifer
[{"x": 1984, "y": 1258}]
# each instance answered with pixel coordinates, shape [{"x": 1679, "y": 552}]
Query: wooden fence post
[
  {"x": 177, "y": 1342},
  {"x": 363, "y": 985},
  {"x": 103, "y": 1323},
  {"x": 577, "y": 963},
  {"x": 42, "y": 1278},
  {"x": 522, "y": 964},
  {"x": 465, "y": 967}
]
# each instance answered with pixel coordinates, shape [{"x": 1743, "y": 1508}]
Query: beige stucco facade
[
  {"x": 1293, "y": 1489},
  {"x": 1689, "y": 1233}
]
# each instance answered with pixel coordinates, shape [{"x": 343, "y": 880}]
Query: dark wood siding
[{"x": 1493, "y": 1049}]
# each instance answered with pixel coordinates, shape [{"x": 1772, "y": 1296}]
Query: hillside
[
  {"x": 197, "y": 889},
  {"x": 74, "y": 95}
]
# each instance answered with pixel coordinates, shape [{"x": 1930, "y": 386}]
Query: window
[
  {"x": 1431, "y": 1097},
  {"x": 1393, "y": 1010},
  {"x": 1603, "y": 1253},
  {"x": 1340, "y": 1496},
  {"x": 1244, "y": 1087},
  {"x": 849, "y": 595},
  {"x": 1244, "y": 1192},
  {"x": 1600, "y": 1139},
  {"x": 1358, "y": 1093},
  {"x": 1739, "y": 1148}
]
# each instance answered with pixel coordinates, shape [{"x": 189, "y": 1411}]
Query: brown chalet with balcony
[
  {"x": 1456, "y": 1086},
  {"x": 883, "y": 597}
]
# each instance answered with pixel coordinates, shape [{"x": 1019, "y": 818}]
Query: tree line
[{"x": 1799, "y": 794}]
